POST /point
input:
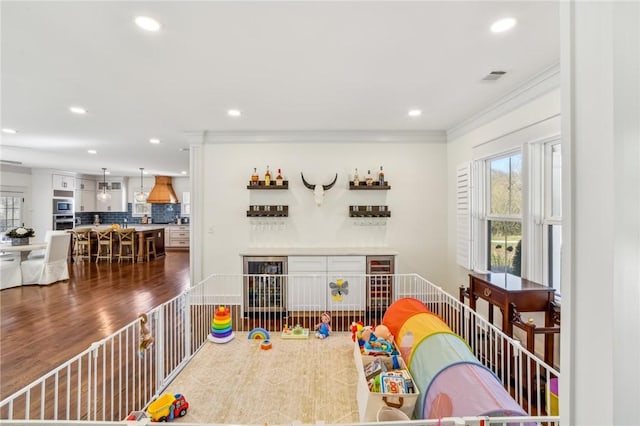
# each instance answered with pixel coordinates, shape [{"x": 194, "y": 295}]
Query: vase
[{"x": 20, "y": 241}]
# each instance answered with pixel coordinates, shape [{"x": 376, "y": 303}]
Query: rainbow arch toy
[
  {"x": 259, "y": 333},
  {"x": 452, "y": 382}
]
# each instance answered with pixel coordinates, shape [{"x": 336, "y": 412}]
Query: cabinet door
[
  {"x": 63, "y": 182},
  {"x": 307, "y": 283},
  {"x": 350, "y": 272}
]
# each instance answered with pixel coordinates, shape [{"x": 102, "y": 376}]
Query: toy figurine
[
  {"x": 323, "y": 329},
  {"x": 146, "y": 339}
]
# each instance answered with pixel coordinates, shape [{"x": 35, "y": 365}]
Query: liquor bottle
[
  {"x": 279, "y": 179},
  {"x": 356, "y": 178},
  {"x": 255, "y": 179},
  {"x": 267, "y": 177},
  {"x": 369, "y": 178},
  {"x": 381, "y": 177}
]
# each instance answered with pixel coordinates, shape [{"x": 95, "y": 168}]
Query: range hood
[{"x": 162, "y": 192}]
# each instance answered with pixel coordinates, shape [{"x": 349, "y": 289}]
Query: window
[
  {"x": 552, "y": 223},
  {"x": 139, "y": 209},
  {"x": 10, "y": 211},
  {"x": 504, "y": 220}
]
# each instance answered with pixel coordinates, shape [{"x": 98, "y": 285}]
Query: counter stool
[
  {"x": 150, "y": 246},
  {"x": 105, "y": 244},
  {"x": 82, "y": 244},
  {"x": 126, "y": 238}
]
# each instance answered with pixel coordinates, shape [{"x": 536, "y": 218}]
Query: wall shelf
[
  {"x": 369, "y": 211},
  {"x": 363, "y": 186},
  {"x": 268, "y": 211},
  {"x": 261, "y": 185}
]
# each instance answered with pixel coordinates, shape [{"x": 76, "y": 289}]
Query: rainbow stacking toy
[{"x": 221, "y": 331}]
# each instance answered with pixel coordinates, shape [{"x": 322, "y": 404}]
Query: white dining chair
[
  {"x": 10, "y": 272},
  {"x": 53, "y": 266}
]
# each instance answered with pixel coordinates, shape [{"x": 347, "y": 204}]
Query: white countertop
[
  {"x": 136, "y": 226},
  {"x": 319, "y": 251}
]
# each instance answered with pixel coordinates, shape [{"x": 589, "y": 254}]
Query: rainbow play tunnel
[{"x": 452, "y": 380}]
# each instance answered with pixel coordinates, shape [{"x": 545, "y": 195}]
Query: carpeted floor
[{"x": 295, "y": 381}]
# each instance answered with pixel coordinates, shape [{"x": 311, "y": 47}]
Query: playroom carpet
[{"x": 295, "y": 381}]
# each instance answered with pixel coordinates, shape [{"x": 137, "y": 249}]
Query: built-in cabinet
[
  {"x": 177, "y": 236},
  {"x": 85, "y": 195},
  {"x": 117, "y": 202},
  {"x": 64, "y": 182}
]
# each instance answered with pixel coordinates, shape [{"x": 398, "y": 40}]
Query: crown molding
[
  {"x": 310, "y": 136},
  {"x": 540, "y": 84}
]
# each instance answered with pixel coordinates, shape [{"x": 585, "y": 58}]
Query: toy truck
[{"x": 167, "y": 407}]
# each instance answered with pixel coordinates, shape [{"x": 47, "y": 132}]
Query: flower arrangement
[{"x": 20, "y": 232}]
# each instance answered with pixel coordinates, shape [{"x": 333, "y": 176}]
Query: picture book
[
  {"x": 374, "y": 368},
  {"x": 392, "y": 384}
]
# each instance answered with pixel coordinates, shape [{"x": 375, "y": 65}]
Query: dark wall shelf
[
  {"x": 363, "y": 186},
  {"x": 369, "y": 211},
  {"x": 261, "y": 185},
  {"x": 268, "y": 211}
]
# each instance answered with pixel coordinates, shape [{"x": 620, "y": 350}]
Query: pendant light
[
  {"x": 141, "y": 196},
  {"x": 104, "y": 195}
]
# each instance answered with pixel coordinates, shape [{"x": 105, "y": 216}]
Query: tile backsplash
[{"x": 160, "y": 213}]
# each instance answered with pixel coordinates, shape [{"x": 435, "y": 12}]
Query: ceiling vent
[
  {"x": 162, "y": 192},
  {"x": 494, "y": 75}
]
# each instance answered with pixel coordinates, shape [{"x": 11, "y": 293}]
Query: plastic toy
[
  {"x": 266, "y": 345},
  {"x": 167, "y": 407},
  {"x": 323, "y": 329},
  {"x": 146, "y": 339},
  {"x": 356, "y": 329},
  {"x": 221, "y": 331},
  {"x": 259, "y": 333}
]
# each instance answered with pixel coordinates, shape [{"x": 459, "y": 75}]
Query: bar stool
[
  {"x": 126, "y": 238},
  {"x": 105, "y": 244},
  {"x": 82, "y": 244},
  {"x": 150, "y": 246}
]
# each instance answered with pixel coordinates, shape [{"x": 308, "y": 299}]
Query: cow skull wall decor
[{"x": 318, "y": 190}]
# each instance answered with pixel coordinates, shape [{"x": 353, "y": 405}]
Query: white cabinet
[
  {"x": 65, "y": 182},
  {"x": 312, "y": 290},
  {"x": 350, "y": 271},
  {"x": 85, "y": 195},
  {"x": 177, "y": 236},
  {"x": 307, "y": 289},
  {"x": 117, "y": 202}
]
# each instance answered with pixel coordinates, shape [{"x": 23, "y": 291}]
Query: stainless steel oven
[
  {"x": 63, "y": 206},
  {"x": 62, "y": 222}
]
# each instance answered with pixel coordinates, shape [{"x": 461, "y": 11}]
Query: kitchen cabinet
[
  {"x": 85, "y": 195},
  {"x": 177, "y": 236},
  {"x": 350, "y": 270},
  {"x": 117, "y": 202},
  {"x": 64, "y": 182}
]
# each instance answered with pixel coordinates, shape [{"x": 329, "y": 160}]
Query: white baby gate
[{"x": 114, "y": 376}]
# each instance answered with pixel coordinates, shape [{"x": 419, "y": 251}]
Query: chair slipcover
[
  {"x": 10, "y": 273},
  {"x": 53, "y": 267}
]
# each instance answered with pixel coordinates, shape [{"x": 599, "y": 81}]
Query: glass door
[{"x": 264, "y": 284}]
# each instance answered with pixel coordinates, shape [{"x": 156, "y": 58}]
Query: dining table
[{"x": 24, "y": 250}]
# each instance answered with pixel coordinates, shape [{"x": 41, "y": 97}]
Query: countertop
[
  {"x": 319, "y": 251},
  {"x": 136, "y": 226}
]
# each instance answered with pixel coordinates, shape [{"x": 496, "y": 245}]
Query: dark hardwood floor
[{"x": 43, "y": 326}]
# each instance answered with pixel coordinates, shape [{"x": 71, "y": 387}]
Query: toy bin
[{"x": 397, "y": 387}]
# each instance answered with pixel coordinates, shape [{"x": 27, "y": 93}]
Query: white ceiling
[{"x": 288, "y": 66}]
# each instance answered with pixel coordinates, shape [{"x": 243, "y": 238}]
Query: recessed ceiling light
[
  {"x": 415, "y": 113},
  {"x": 107, "y": 172},
  {"x": 77, "y": 110},
  {"x": 145, "y": 172},
  {"x": 154, "y": 141},
  {"x": 184, "y": 172},
  {"x": 146, "y": 23},
  {"x": 9, "y": 131},
  {"x": 503, "y": 25},
  {"x": 92, "y": 151},
  {"x": 234, "y": 113}
]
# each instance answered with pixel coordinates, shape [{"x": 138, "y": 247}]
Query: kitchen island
[{"x": 142, "y": 232}]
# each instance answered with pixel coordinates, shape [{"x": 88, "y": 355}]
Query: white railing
[{"x": 113, "y": 377}]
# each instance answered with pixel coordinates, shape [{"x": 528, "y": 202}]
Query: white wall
[{"x": 416, "y": 172}]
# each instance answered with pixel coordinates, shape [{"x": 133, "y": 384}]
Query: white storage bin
[{"x": 369, "y": 403}]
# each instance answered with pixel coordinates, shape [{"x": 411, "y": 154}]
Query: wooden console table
[{"x": 502, "y": 290}]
